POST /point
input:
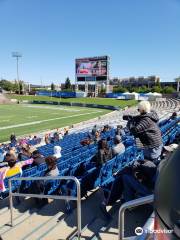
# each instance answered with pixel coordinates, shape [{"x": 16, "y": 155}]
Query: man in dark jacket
[
  {"x": 146, "y": 129},
  {"x": 38, "y": 158},
  {"x": 141, "y": 182}
]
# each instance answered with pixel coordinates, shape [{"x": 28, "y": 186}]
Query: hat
[
  {"x": 57, "y": 151},
  {"x": 36, "y": 152},
  {"x": 118, "y": 138},
  {"x": 171, "y": 147}
]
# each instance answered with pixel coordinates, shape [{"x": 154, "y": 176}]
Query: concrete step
[
  {"x": 20, "y": 213},
  {"x": 36, "y": 218},
  {"x": 66, "y": 228}
]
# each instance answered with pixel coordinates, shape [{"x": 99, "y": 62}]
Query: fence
[
  {"x": 128, "y": 205},
  {"x": 77, "y": 198}
]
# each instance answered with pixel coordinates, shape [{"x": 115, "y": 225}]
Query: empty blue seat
[
  {"x": 30, "y": 172},
  {"x": 105, "y": 172}
]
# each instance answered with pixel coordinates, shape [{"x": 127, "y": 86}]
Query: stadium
[
  {"x": 95, "y": 156},
  {"x": 73, "y": 127}
]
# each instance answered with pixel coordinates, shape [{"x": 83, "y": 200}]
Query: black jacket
[{"x": 147, "y": 130}]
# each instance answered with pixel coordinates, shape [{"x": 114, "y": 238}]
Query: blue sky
[{"x": 142, "y": 37}]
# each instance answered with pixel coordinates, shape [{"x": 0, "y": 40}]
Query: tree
[
  {"x": 67, "y": 84},
  {"x": 157, "y": 89},
  {"x": 52, "y": 87},
  {"x": 168, "y": 90},
  {"x": 15, "y": 87},
  {"x": 6, "y": 85},
  {"x": 143, "y": 89}
]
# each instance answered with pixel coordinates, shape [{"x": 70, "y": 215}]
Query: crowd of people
[
  {"x": 139, "y": 179},
  {"x": 132, "y": 182}
]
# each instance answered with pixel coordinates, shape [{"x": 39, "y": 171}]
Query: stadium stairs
[{"x": 51, "y": 222}]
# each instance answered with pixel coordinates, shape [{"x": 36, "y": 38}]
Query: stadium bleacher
[{"x": 73, "y": 155}]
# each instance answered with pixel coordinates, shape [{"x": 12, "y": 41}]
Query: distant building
[{"x": 135, "y": 81}]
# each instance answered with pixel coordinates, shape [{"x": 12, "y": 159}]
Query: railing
[
  {"x": 77, "y": 198},
  {"x": 128, "y": 205}
]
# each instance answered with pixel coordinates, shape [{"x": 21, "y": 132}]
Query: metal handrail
[
  {"x": 128, "y": 205},
  {"x": 77, "y": 198}
]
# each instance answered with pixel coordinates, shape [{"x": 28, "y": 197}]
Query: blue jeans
[
  {"x": 132, "y": 188},
  {"x": 153, "y": 153}
]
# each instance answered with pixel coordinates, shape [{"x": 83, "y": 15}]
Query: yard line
[
  {"x": 53, "y": 108},
  {"x": 46, "y": 120},
  {"x": 31, "y": 116},
  {"x": 5, "y": 120}
]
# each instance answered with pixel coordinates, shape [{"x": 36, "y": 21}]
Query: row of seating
[{"x": 70, "y": 162}]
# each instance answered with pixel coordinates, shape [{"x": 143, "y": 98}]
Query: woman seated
[
  {"x": 104, "y": 153},
  {"x": 13, "y": 168}
]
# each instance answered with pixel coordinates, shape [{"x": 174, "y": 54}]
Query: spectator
[
  {"x": 94, "y": 130},
  {"x": 66, "y": 131},
  {"x": 120, "y": 131},
  {"x": 52, "y": 166},
  {"x": 26, "y": 150},
  {"x": 1, "y": 155},
  {"x": 97, "y": 137},
  {"x": 13, "y": 167},
  {"x": 57, "y": 152},
  {"x": 12, "y": 151},
  {"x": 38, "y": 158},
  {"x": 144, "y": 126},
  {"x": 56, "y": 137},
  {"x": 119, "y": 147},
  {"x": 104, "y": 152},
  {"x": 13, "y": 139},
  {"x": 86, "y": 142},
  {"x": 141, "y": 182},
  {"x": 173, "y": 116},
  {"x": 46, "y": 139},
  {"x": 2, "y": 158},
  {"x": 105, "y": 129},
  {"x": 132, "y": 183},
  {"x": 42, "y": 187},
  {"x": 7, "y": 157}
]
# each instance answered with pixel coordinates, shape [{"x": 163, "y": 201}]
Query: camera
[{"x": 131, "y": 121}]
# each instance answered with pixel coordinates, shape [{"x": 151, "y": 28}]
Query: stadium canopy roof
[{"x": 153, "y": 94}]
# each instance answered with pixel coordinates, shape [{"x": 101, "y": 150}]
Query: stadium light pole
[
  {"x": 177, "y": 80},
  {"x": 17, "y": 55}
]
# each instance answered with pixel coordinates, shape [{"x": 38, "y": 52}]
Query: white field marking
[
  {"x": 31, "y": 116},
  {"x": 5, "y": 120},
  {"x": 53, "y": 108},
  {"x": 46, "y": 120}
]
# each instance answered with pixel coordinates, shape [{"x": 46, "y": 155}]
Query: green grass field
[
  {"x": 28, "y": 118},
  {"x": 102, "y": 101},
  {"x": 23, "y": 119}
]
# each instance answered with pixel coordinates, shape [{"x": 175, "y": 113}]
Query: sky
[{"x": 142, "y": 37}]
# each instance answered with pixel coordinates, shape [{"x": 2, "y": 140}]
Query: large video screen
[{"x": 91, "y": 68}]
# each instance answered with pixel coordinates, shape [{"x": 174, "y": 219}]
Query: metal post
[
  {"x": 17, "y": 55},
  {"x": 11, "y": 202},
  {"x": 107, "y": 80},
  {"x": 127, "y": 205},
  {"x": 78, "y": 208},
  {"x": 69, "y": 198}
]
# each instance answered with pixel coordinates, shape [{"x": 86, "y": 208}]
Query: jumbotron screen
[{"x": 94, "y": 68}]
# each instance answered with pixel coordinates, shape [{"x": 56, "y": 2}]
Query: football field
[{"x": 28, "y": 118}]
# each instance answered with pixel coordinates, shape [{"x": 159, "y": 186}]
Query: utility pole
[{"x": 17, "y": 55}]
